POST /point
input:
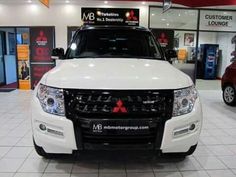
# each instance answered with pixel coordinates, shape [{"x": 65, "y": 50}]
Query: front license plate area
[{"x": 119, "y": 127}]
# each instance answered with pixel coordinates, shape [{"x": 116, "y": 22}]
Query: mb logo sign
[
  {"x": 110, "y": 16},
  {"x": 88, "y": 16},
  {"x": 97, "y": 128}
]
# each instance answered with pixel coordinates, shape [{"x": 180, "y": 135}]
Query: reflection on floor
[
  {"x": 6, "y": 90},
  {"x": 208, "y": 84},
  {"x": 12, "y": 85},
  {"x": 215, "y": 155}
]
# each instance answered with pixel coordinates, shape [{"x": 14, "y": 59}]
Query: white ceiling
[
  {"x": 101, "y": 2},
  {"x": 55, "y": 1},
  {"x": 80, "y": 2}
]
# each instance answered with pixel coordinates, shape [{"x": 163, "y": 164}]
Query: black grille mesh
[{"x": 101, "y": 104}]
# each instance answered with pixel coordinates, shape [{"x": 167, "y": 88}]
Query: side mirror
[
  {"x": 233, "y": 59},
  {"x": 234, "y": 56},
  {"x": 58, "y": 53},
  {"x": 170, "y": 54}
]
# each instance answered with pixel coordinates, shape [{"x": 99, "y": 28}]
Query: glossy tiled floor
[{"x": 215, "y": 155}]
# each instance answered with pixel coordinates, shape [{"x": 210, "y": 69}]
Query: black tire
[
  {"x": 181, "y": 154},
  {"x": 229, "y": 95}
]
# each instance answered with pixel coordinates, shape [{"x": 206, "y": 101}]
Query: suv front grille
[
  {"x": 84, "y": 107},
  {"x": 118, "y": 104}
]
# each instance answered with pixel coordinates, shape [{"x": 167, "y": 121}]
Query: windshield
[{"x": 107, "y": 43}]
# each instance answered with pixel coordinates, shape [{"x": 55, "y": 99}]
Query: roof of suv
[{"x": 90, "y": 27}]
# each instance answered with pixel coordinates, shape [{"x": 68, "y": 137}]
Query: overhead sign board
[
  {"x": 217, "y": 20},
  {"x": 110, "y": 16}
]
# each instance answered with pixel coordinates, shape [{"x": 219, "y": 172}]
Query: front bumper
[
  {"x": 52, "y": 143},
  {"x": 62, "y": 139},
  {"x": 182, "y": 143}
]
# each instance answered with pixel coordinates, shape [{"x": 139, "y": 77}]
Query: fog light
[
  {"x": 191, "y": 128},
  {"x": 42, "y": 127}
]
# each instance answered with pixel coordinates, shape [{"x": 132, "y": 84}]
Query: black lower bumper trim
[
  {"x": 112, "y": 147},
  {"x": 87, "y": 141}
]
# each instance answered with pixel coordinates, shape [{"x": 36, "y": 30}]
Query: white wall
[
  {"x": 58, "y": 15},
  {"x": 207, "y": 38},
  {"x": 180, "y": 35},
  {"x": 204, "y": 38},
  {"x": 224, "y": 41}
]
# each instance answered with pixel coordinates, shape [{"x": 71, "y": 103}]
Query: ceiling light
[
  {"x": 179, "y": 15},
  {"x": 167, "y": 24},
  {"x": 163, "y": 19},
  {"x": 143, "y": 2},
  {"x": 67, "y": 1},
  {"x": 105, "y": 2},
  {"x": 153, "y": 14},
  {"x": 29, "y": 1}
]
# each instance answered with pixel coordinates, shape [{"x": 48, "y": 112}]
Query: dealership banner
[
  {"x": 110, "y": 16},
  {"x": 37, "y": 72},
  {"x": 23, "y": 66},
  {"x": 41, "y": 45},
  {"x": 164, "y": 37},
  {"x": 23, "y": 52},
  {"x": 217, "y": 20}
]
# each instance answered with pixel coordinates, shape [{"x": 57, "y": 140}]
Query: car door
[{"x": 233, "y": 72}]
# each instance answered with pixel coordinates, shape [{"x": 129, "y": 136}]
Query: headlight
[
  {"x": 51, "y": 99},
  {"x": 184, "y": 101}
]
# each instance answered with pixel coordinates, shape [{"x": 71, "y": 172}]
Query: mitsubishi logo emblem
[{"x": 119, "y": 107}]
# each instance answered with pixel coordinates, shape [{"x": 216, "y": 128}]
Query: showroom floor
[{"x": 215, "y": 155}]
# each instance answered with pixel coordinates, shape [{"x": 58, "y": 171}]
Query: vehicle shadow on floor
[
  {"x": 120, "y": 156},
  {"x": 118, "y": 162}
]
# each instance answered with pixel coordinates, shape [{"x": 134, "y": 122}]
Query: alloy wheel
[{"x": 229, "y": 94}]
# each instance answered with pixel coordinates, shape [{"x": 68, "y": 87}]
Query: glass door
[
  {"x": 2, "y": 70},
  {"x": 177, "y": 29}
]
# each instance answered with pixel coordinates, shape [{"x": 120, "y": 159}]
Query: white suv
[{"x": 114, "y": 89}]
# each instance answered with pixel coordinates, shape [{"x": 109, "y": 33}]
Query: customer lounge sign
[
  {"x": 218, "y": 20},
  {"x": 112, "y": 16}
]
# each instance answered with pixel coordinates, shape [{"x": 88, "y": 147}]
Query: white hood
[{"x": 115, "y": 73}]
